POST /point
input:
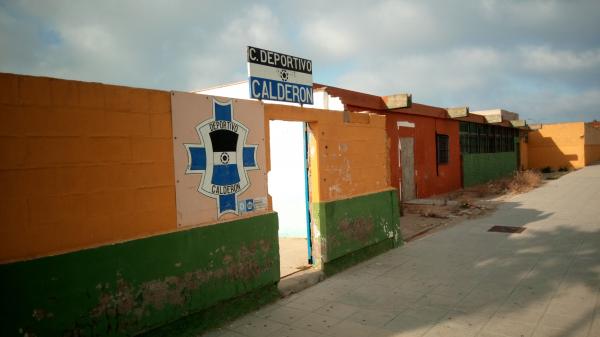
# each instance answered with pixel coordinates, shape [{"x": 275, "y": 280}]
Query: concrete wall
[
  {"x": 592, "y": 143},
  {"x": 557, "y": 145},
  {"x": 430, "y": 179},
  {"x": 354, "y": 209},
  {"x": 89, "y": 241},
  {"x": 82, "y": 165}
]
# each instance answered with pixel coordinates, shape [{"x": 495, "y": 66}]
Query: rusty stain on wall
[
  {"x": 128, "y": 304},
  {"x": 359, "y": 229}
]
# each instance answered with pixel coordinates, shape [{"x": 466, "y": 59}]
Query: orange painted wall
[
  {"x": 592, "y": 144},
  {"x": 82, "y": 165},
  {"x": 557, "y": 145},
  {"x": 346, "y": 158},
  {"x": 88, "y": 164},
  {"x": 428, "y": 181}
]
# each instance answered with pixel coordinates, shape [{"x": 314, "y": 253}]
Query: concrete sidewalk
[{"x": 466, "y": 281}]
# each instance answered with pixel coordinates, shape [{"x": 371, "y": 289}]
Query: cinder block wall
[
  {"x": 82, "y": 165},
  {"x": 89, "y": 242}
]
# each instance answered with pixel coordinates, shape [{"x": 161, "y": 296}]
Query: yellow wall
[
  {"x": 87, "y": 164},
  {"x": 592, "y": 144},
  {"x": 346, "y": 159},
  {"x": 81, "y": 165},
  {"x": 557, "y": 145}
]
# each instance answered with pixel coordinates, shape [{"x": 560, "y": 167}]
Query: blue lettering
[{"x": 262, "y": 88}]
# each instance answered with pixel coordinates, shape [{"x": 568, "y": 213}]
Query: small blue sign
[{"x": 249, "y": 205}]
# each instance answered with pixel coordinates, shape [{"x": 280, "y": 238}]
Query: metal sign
[{"x": 279, "y": 77}]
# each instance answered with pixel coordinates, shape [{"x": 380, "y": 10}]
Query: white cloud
[
  {"x": 330, "y": 39},
  {"x": 547, "y": 106},
  {"x": 259, "y": 27},
  {"x": 546, "y": 59},
  {"x": 532, "y": 12},
  {"x": 518, "y": 54},
  {"x": 438, "y": 73}
]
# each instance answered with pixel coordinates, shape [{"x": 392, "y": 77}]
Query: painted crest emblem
[{"x": 223, "y": 158}]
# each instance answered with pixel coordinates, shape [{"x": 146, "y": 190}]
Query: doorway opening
[{"x": 288, "y": 187}]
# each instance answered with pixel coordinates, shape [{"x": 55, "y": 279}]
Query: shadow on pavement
[{"x": 466, "y": 281}]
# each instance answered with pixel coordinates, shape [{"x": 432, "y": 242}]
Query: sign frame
[{"x": 279, "y": 77}]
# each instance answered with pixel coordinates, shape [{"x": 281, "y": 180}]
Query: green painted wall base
[
  {"x": 479, "y": 168},
  {"x": 351, "y": 259},
  {"x": 348, "y": 227},
  {"x": 136, "y": 286},
  {"x": 213, "y": 317}
]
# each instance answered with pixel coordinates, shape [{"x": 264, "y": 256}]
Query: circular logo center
[
  {"x": 284, "y": 75},
  {"x": 224, "y": 158}
]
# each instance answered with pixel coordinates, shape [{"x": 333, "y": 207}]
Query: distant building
[
  {"x": 564, "y": 145},
  {"x": 497, "y": 115},
  {"x": 433, "y": 150}
]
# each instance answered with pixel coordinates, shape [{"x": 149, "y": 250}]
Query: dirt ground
[
  {"x": 293, "y": 255},
  {"x": 420, "y": 218}
]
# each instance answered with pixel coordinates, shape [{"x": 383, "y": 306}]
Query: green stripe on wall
[
  {"x": 130, "y": 287},
  {"x": 479, "y": 168},
  {"x": 350, "y": 225}
]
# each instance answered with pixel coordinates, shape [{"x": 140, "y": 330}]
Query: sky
[{"x": 540, "y": 59}]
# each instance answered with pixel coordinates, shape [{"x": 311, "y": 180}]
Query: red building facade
[{"x": 435, "y": 142}]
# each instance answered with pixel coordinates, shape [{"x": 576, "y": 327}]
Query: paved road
[{"x": 466, "y": 281}]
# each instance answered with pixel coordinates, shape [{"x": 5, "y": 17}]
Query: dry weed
[{"x": 524, "y": 181}]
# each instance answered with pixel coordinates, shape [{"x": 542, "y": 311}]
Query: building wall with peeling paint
[
  {"x": 354, "y": 208},
  {"x": 430, "y": 178},
  {"x": 89, "y": 241}
]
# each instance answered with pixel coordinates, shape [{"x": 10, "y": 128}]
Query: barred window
[
  {"x": 464, "y": 143},
  {"x": 483, "y": 138},
  {"x": 498, "y": 139},
  {"x": 473, "y": 138},
  {"x": 464, "y": 137},
  {"x": 491, "y": 139},
  {"x": 442, "y": 148}
]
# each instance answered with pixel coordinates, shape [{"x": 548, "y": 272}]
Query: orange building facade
[{"x": 563, "y": 145}]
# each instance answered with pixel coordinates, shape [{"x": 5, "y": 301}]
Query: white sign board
[{"x": 279, "y": 77}]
